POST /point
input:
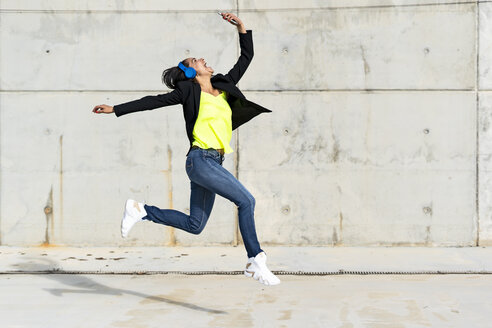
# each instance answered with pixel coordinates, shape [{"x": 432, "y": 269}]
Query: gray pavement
[
  {"x": 54, "y": 300},
  {"x": 81, "y": 287}
]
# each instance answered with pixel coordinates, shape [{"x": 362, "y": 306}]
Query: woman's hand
[
  {"x": 229, "y": 17},
  {"x": 103, "y": 109}
]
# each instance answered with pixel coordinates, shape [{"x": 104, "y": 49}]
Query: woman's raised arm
[
  {"x": 246, "y": 44},
  {"x": 239, "y": 23}
]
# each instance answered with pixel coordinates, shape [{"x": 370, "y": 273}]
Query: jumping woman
[{"x": 213, "y": 107}]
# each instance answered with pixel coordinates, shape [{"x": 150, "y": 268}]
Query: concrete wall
[{"x": 380, "y": 132}]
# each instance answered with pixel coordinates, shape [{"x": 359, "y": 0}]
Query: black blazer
[{"x": 187, "y": 93}]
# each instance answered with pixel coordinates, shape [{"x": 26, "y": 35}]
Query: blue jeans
[{"x": 208, "y": 177}]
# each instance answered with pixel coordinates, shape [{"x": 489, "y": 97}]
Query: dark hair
[{"x": 173, "y": 75}]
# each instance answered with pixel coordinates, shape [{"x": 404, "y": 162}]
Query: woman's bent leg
[
  {"x": 218, "y": 180},
  {"x": 201, "y": 203}
]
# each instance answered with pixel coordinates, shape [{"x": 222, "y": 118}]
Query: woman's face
[{"x": 200, "y": 66}]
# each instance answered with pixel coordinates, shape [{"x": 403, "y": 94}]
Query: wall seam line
[
  {"x": 477, "y": 110},
  {"x": 1, "y": 173},
  {"x": 148, "y": 11},
  {"x": 248, "y": 90},
  {"x": 236, "y": 156}
]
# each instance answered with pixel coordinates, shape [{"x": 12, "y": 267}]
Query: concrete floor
[
  {"x": 101, "y": 287},
  {"x": 168, "y": 300},
  {"x": 228, "y": 259}
]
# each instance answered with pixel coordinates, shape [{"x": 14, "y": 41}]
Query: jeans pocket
[
  {"x": 189, "y": 164},
  {"x": 213, "y": 155}
]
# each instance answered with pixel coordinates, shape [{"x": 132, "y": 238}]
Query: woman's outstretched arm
[
  {"x": 103, "y": 109},
  {"x": 145, "y": 103}
]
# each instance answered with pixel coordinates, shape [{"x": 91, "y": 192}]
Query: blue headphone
[{"x": 189, "y": 71}]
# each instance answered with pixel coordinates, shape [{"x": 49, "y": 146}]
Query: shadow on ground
[{"x": 84, "y": 285}]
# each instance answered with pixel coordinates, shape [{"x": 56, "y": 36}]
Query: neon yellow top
[{"x": 213, "y": 126}]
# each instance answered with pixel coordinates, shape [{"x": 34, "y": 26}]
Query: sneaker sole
[
  {"x": 248, "y": 274},
  {"x": 251, "y": 274}
]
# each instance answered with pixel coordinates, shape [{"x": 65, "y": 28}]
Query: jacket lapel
[{"x": 220, "y": 82}]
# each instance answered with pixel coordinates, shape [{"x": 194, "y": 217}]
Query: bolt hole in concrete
[
  {"x": 285, "y": 51},
  {"x": 47, "y": 51},
  {"x": 427, "y": 210},
  {"x": 286, "y": 132},
  {"x": 426, "y": 50},
  {"x": 187, "y": 52},
  {"x": 426, "y": 131},
  {"x": 286, "y": 210}
]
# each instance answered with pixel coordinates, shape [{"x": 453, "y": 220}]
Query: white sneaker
[
  {"x": 256, "y": 268},
  {"x": 134, "y": 212}
]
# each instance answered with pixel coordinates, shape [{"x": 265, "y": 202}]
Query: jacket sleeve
[
  {"x": 246, "y": 44},
  {"x": 149, "y": 102}
]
